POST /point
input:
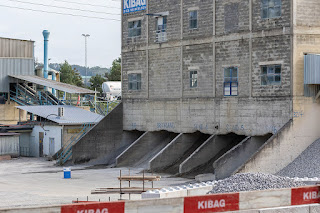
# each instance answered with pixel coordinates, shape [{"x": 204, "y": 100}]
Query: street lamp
[{"x": 85, "y": 40}]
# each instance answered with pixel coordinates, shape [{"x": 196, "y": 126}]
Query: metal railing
[
  {"x": 161, "y": 36},
  {"x": 66, "y": 153}
]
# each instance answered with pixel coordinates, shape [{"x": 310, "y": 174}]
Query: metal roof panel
[
  {"x": 53, "y": 84},
  {"x": 72, "y": 115}
]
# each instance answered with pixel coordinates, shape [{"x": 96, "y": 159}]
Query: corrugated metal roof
[
  {"x": 53, "y": 84},
  {"x": 72, "y": 115}
]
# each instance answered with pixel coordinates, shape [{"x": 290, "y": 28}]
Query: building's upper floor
[
  {"x": 16, "y": 48},
  {"x": 161, "y": 21}
]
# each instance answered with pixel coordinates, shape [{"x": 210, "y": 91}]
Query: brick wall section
[
  {"x": 134, "y": 62},
  {"x": 173, "y": 20},
  {"x": 233, "y": 53},
  {"x": 205, "y": 18},
  {"x": 275, "y": 48},
  {"x": 269, "y": 24},
  {"x": 198, "y": 58},
  {"x": 170, "y": 104},
  {"x": 165, "y": 73},
  {"x": 243, "y": 16},
  {"x": 135, "y": 41}
]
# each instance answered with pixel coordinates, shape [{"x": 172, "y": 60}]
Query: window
[
  {"x": 193, "y": 79},
  {"x": 134, "y": 81},
  {"x": 271, "y": 8},
  {"x": 134, "y": 28},
  {"x": 271, "y": 75},
  {"x": 193, "y": 19},
  {"x": 231, "y": 81},
  {"x": 162, "y": 24},
  {"x": 161, "y": 29}
]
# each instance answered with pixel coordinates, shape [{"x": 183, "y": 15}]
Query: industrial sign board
[
  {"x": 114, "y": 207},
  {"x": 130, "y": 6},
  {"x": 306, "y": 195},
  {"x": 212, "y": 203}
]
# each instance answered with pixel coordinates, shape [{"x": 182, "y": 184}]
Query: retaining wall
[
  {"x": 145, "y": 148},
  {"x": 105, "y": 141},
  {"x": 231, "y": 161},
  {"x": 289, "y": 200}
]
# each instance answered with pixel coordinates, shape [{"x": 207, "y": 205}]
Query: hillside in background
[{"x": 92, "y": 71}]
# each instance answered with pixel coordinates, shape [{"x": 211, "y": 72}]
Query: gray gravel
[
  {"x": 253, "y": 182},
  {"x": 306, "y": 165}
]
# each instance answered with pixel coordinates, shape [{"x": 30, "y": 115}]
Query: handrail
[{"x": 67, "y": 150}]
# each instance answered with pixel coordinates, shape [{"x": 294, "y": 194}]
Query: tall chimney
[{"x": 46, "y": 34}]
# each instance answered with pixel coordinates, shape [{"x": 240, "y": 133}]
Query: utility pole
[{"x": 85, "y": 40}]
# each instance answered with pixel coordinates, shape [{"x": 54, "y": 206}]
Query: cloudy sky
[{"x": 66, "y": 42}]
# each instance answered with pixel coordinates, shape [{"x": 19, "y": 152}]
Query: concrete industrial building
[
  {"x": 206, "y": 83},
  {"x": 217, "y": 66}
]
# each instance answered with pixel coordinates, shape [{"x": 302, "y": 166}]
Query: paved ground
[{"x": 37, "y": 182}]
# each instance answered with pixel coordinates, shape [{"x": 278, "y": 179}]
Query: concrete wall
[
  {"x": 9, "y": 114},
  {"x": 105, "y": 141},
  {"x": 243, "y": 116},
  {"x": 145, "y": 148},
  {"x": 174, "y": 151},
  {"x": 9, "y": 145},
  {"x": 231, "y": 161},
  {"x": 49, "y": 131},
  {"x": 209, "y": 151},
  {"x": 287, "y": 144}
]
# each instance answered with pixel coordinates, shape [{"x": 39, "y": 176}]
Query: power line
[
  {"x": 68, "y": 14},
  {"x": 68, "y": 8},
  {"x": 86, "y": 4}
]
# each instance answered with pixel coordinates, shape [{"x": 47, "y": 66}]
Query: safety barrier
[{"x": 200, "y": 204}]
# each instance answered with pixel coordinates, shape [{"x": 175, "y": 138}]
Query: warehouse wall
[
  {"x": 230, "y": 33},
  {"x": 16, "y": 58},
  {"x": 9, "y": 145}
]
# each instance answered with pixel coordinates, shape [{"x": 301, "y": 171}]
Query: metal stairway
[
  {"x": 65, "y": 152},
  {"x": 26, "y": 96}
]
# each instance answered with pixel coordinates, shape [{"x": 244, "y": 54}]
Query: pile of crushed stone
[
  {"x": 253, "y": 182},
  {"x": 306, "y": 165}
]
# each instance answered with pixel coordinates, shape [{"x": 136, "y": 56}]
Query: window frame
[
  {"x": 134, "y": 29},
  {"x": 233, "y": 82},
  {"x": 263, "y": 7},
  {"x": 164, "y": 24},
  {"x": 193, "y": 19},
  {"x": 193, "y": 81},
  {"x": 136, "y": 82},
  {"x": 271, "y": 73}
]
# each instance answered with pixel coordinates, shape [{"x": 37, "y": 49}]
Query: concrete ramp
[
  {"x": 229, "y": 163},
  {"x": 169, "y": 159},
  {"x": 105, "y": 141},
  {"x": 208, "y": 152},
  {"x": 144, "y": 149}
]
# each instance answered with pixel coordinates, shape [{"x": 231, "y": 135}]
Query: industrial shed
[{"x": 9, "y": 144}]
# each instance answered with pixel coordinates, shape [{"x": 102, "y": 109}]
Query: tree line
[{"x": 72, "y": 76}]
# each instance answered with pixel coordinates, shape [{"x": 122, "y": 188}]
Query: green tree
[
  {"x": 115, "y": 73},
  {"x": 69, "y": 75},
  {"x": 96, "y": 82}
]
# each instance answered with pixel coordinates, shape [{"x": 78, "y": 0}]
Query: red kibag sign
[
  {"x": 305, "y": 195},
  {"x": 115, "y": 207},
  {"x": 212, "y": 203}
]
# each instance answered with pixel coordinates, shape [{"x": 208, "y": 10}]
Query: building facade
[{"x": 216, "y": 66}]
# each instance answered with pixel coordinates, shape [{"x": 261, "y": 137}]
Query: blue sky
[{"x": 66, "y": 42}]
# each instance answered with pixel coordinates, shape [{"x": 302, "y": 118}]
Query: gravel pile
[
  {"x": 306, "y": 165},
  {"x": 253, "y": 182}
]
